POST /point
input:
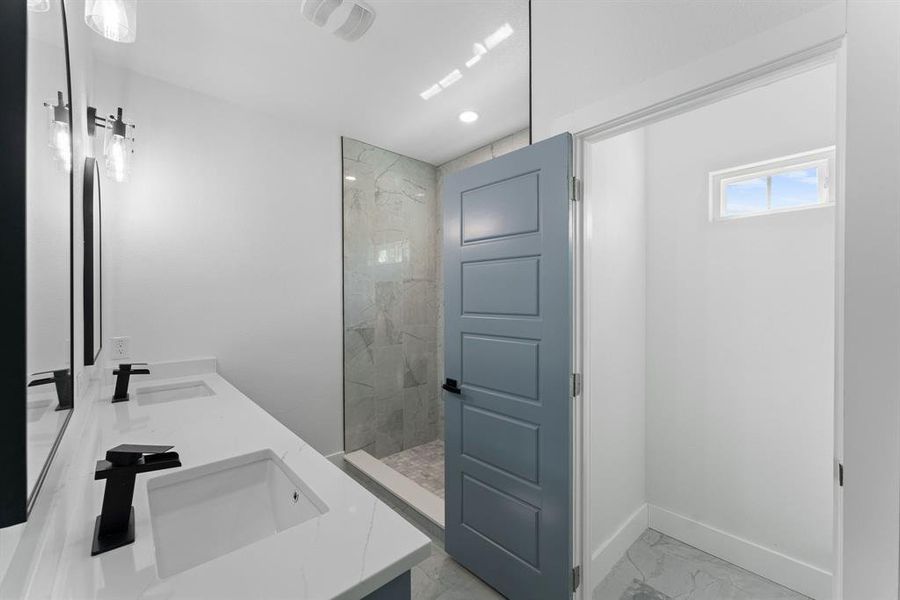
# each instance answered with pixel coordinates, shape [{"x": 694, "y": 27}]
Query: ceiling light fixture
[
  {"x": 38, "y": 5},
  {"x": 450, "y": 78},
  {"x": 115, "y": 20},
  {"x": 494, "y": 40},
  {"x": 349, "y": 177},
  {"x": 430, "y": 92},
  {"x": 478, "y": 51},
  {"x": 468, "y": 116}
]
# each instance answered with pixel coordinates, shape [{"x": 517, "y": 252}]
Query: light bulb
[
  {"x": 117, "y": 158},
  {"x": 60, "y": 144},
  {"x": 115, "y": 20},
  {"x": 468, "y": 116},
  {"x": 58, "y": 132},
  {"x": 117, "y": 148}
]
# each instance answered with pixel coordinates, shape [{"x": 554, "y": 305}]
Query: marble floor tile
[
  {"x": 424, "y": 464},
  {"x": 439, "y": 577},
  {"x": 658, "y": 567}
]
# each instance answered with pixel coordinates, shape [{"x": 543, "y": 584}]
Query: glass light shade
[
  {"x": 38, "y": 5},
  {"x": 59, "y": 142},
  {"x": 118, "y": 155},
  {"x": 115, "y": 20}
]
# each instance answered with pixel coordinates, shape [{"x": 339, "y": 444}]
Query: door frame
[{"x": 830, "y": 52}]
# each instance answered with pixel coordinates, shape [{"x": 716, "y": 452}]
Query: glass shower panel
[{"x": 391, "y": 300}]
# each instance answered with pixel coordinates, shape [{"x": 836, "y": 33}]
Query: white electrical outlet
[{"x": 121, "y": 347}]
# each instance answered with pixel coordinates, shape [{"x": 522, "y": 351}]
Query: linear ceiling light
[
  {"x": 430, "y": 92},
  {"x": 494, "y": 40},
  {"x": 450, "y": 78}
]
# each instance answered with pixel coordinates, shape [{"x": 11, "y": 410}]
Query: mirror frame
[
  {"x": 13, "y": 437},
  {"x": 93, "y": 307},
  {"x": 16, "y": 499}
]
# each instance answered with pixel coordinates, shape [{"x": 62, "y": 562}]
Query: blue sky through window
[
  {"x": 787, "y": 189},
  {"x": 795, "y": 188},
  {"x": 748, "y": 196}
]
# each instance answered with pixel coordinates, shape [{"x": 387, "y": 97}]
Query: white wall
[
  {"x": 740, "y": 332},
  {"x": 227, "y": 242},
  {"x": 596, "y": 61},
  {"x": 871, "y": 386},
  {"x": 615, "y": 225}
]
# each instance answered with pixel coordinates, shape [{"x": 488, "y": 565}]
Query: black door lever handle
[{"x": 452, "y": 386}]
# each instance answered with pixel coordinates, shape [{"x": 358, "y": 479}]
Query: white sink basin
[
  {"x": 205, "y": 512},
  {"x": 156, "y": 394}
]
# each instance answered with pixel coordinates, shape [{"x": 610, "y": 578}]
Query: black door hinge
[
  {"x": 574, "y": 189},
  {"x": 576, "y": 385},
  {"x": 841, "y": 474},
  {"x": 576, "y": 578}
]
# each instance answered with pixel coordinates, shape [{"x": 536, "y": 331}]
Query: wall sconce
[
  {"x": 58, "y": 138},
  {"x": 115, "y": 20},
  {"x": 118, "y": 148},
  {"x": 38, "y": 5}
]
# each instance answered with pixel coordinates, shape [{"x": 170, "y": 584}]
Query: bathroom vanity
[{"x": 253, "y": 512}]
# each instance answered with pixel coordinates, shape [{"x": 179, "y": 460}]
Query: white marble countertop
[{"x": 357, "y": 546}]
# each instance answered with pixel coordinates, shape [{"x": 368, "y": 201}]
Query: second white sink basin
[
  {"x": 170, "y": 392},
  {"x": 205, "y": 512}
]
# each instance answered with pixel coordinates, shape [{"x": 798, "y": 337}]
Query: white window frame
[{"x": 822, "y": 158}]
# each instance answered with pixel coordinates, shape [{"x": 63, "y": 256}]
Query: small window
[{"x": 789, "y": 183}]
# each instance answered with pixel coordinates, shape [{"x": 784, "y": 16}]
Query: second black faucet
[{"x": 123, "y": 376}]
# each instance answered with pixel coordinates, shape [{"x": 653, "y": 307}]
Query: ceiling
[{"x": 264, "y": 55}]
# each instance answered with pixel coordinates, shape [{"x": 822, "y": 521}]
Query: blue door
[{"x": 507, "y": 347}]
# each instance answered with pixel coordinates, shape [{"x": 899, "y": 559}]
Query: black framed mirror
[
  {"x": 37, "y": 373},
  {"x": 93, "y": 277}
]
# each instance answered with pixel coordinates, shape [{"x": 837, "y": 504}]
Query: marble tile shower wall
[{"x": 391, "y": 300}]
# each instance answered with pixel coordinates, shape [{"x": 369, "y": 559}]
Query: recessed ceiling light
[
  {"x": 350, "y": 178},
  {"x": 503, "y": 32},
  {"x": 472, "y": 61},
  {"x": 468, "y": 116},
  {"x": 432, "y": 91},
  {"x": 451, "y": 78}
]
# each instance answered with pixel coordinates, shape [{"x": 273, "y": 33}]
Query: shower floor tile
[
  {"x": 658, "y": 567},
  {"x": 424, "y": 464}
]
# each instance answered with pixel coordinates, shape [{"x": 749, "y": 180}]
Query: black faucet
[
  {"x": 63, "y": 380},
  {"x": 123, "y": 376},
  {"x": 114, "y": 526}
]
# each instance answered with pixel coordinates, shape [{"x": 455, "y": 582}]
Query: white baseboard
[
  {"x": 608, "y": 553},
  {"x": 771, "y": 564}
]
